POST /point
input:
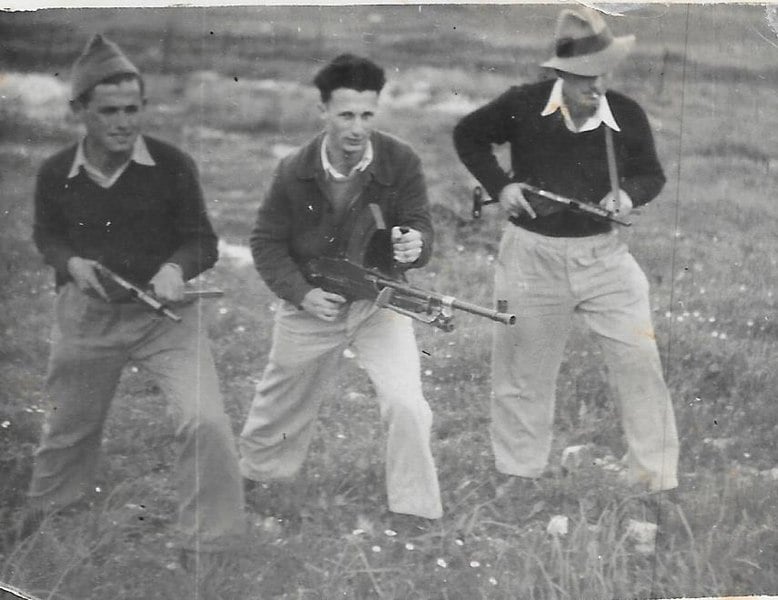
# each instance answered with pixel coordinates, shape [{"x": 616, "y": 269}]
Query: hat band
[{"x": 569, "y": 47}]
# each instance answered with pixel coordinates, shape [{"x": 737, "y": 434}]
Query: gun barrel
[
  {"x": 494, "y": 315},
  {"x": 448, "y": 301},
  {"x": 191, "y": 294}
]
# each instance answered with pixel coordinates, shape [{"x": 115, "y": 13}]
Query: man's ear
[{"x": 322, "y": 106}]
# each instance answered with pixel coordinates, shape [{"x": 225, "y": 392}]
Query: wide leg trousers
[
  {"x": 92, "y": 342},
  {"x": 302, "y": 366},
  {"x": 546, "y": 281}
]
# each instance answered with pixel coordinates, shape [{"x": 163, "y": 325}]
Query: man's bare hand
[
  {"x": 84, "y": 273},
  {"x": 168, "y": 283},
  {"x": 406, "y": 244},
  {"x": 513, "y": 201},
  {"x": 621, "y": 207},
  {"x": 324, "y": 305}
]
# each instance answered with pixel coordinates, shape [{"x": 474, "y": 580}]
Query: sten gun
[
  {"x": 149, "y": 299},
  {"x": 354, "y": 282},
  {"x": 544, "y": 203}
]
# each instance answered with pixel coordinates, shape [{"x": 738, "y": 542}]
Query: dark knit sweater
[
  {"x": 545, "y": 153},
  {"x": 150, "y": 216}
]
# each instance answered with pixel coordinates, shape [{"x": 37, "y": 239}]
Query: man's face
[
  {"x": 112, "y": 118},
  {"x": 582, "y": 93},
  {"x": 348, "y": 119}
]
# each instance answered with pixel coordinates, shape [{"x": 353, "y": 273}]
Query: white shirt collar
[
  {"x": 602, "y": 115},
  {"x": 140, "y": 154},
  {"x": 363, "y": 164}
]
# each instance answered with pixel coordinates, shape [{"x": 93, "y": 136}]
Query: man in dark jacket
[
  {"x": 314, "y": 208},
  {"x": 554, "y": 264},
  {"x": 134, "y": 205}
]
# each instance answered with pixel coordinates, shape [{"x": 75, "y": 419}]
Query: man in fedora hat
[
  {"x": 572, "y": 137},
  {"x": 133, "y": 204}
]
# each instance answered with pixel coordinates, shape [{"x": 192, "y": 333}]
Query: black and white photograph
[{"x": 355, "y": 301}]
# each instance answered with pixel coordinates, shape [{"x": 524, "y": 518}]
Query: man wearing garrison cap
[
  {"x": 133, "y": 204},
  {"x": 572, "y": 137}
]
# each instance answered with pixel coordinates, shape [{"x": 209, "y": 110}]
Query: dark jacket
[
  {"x": 296, "y": 223},
  {"x": 546, "y": 154},
  {"x": 150, "y": 216}
]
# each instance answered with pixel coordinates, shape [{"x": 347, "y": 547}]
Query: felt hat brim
[{"x": 596, "y": 63}]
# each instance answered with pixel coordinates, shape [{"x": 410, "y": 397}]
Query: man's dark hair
[
  {"x": 84, "y": 98},
  {"x": 349, "y": 71}
]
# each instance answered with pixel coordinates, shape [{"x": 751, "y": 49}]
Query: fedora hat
[{"x": 585, "y": 44}]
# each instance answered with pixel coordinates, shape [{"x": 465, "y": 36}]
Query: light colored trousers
[
  {"x": 92, "y": 342},
  {"x": 302, "y": 366},
  {"x": 546, "y": 281}
]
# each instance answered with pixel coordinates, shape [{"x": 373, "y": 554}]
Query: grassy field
[{"x": 706, "y": 78}]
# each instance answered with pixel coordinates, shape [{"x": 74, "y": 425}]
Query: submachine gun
[
  {"x": 148, "y": 298},
  {"x": 367, "y": 272},
  {"x": 544, "y": 203}
]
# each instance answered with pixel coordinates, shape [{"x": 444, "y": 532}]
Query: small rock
[
  {"x": 643, "y": 533},
  {"x": 575, "y": 457},
  {"x": 558, "y": 525},
  {"x": 771, "y": 474},
  {"x": 719, "y": 443}
]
